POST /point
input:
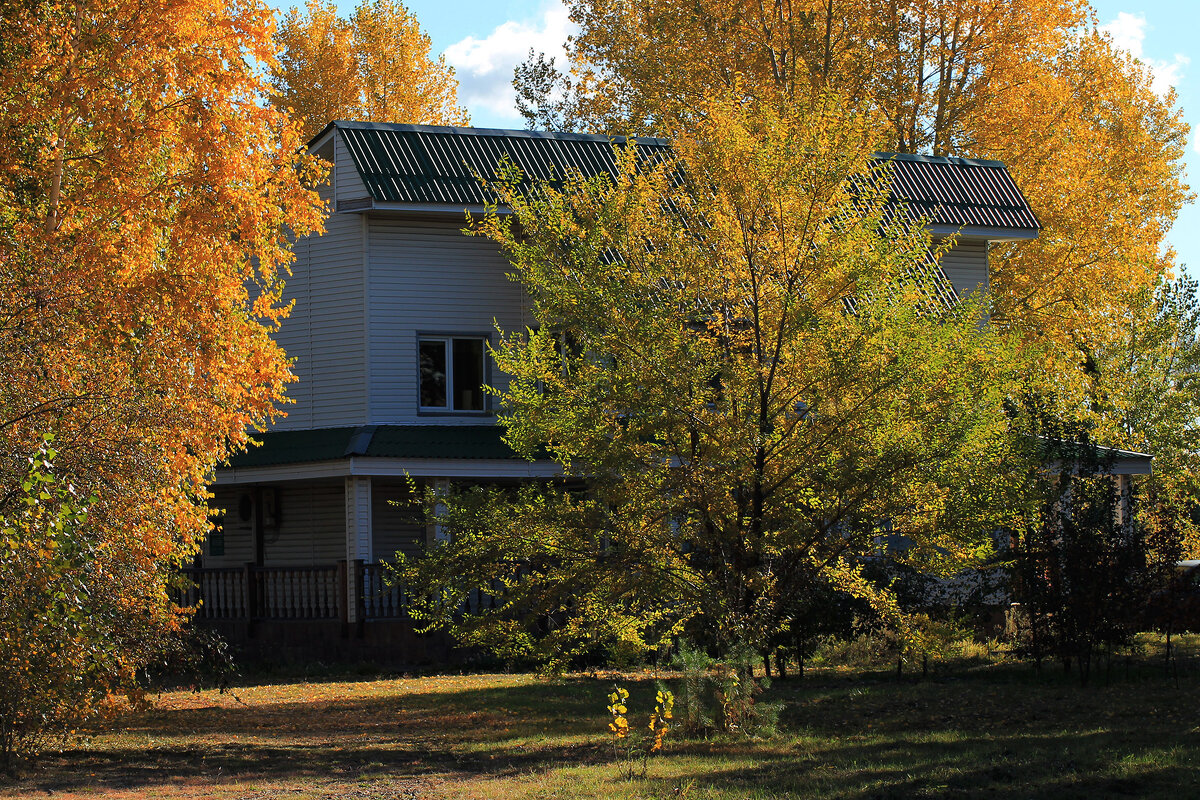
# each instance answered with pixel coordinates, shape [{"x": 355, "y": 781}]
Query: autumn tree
[
  {"x": 755, "y": 373},
  {"x": 146, "y": 196},
  {"x": 1084, "y": 569},
  {"x": 61, "y": 616},
  {"x": 1029, "y": 82},
  {"x": 375, "y": 66},
  {"x": 1147, "y": 390}
]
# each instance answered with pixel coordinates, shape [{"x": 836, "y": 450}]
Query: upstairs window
[{"x": 452, "y": 373}]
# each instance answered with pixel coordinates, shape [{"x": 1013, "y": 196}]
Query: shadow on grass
[
  {"x": 1067, "y": 765},
  {"x": 996, "y": 733}
]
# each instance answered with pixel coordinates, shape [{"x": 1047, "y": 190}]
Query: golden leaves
[
  {"x": 375, "y": 66},
  {"x": 1028, "y": 82},
  {"x": 146, "y": 196}
]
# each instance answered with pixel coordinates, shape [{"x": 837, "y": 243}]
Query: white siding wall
[
  {"x": 325, "y": 333},
  {"x": 427, "y": 277},
  {"x": 966, "y": 265},
  {"x": 312, "y": 526},
  {"x": 238, "y": 534},
  {"x": 311, "y": 530},
  {"x": 347, "y": 185},
  {"x": 397, "y": 522}
]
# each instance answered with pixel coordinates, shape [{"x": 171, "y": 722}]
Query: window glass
[
  {"x": 433, "y": 373},
  {"x": 468, "y": 375}
]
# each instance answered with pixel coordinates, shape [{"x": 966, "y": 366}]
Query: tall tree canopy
[
  {"x": 1147, "y": 389},
  {"x": 749, "y": 377},
  {"x": 374, "y": 66},
  {"x": 1029, "y": 82},
  {"x": 146, "y": 197}
]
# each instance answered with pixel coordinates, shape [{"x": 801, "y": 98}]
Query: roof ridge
[
  {"x": 404, "y": 127},
  {"x": 957, "y": 161}
]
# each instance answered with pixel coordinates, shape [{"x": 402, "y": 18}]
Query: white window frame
[{"x": 485, "y": 373}]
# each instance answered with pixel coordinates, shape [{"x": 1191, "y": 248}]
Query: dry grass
[{"x": 997, "y": 731}]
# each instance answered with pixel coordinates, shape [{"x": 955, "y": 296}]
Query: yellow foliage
[
  {"x": 375, "y": 66},
  {"x": 1029, "y": 82},
  {"x": 145, "y": 200}
]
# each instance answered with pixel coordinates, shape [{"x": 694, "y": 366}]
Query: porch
[
  {"x": 348, "y": 591},
  {"x": 343, "y": 612}
]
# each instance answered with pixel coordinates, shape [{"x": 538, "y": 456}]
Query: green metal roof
[
  {"x": 439, "y": 441},
  {"x": 959, "y": 191},
  {"x": 431, "y": 164},
  {"x": 443, "y": 165},
  {"x": 376, "y": 441}
]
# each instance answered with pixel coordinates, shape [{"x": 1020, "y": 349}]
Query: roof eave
[
  {"x": 985, "y": 232},
  {"x": 367, "y": 204},
  {"x": 383, "y": 467},
  {"x": 322, "y": 135}
]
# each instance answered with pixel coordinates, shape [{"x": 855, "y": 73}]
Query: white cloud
[
  {"x": 1128, "y": 32},
  {"x": 485, "y": 66}
]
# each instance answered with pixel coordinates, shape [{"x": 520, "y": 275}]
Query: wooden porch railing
[
  {"x": 256, "y": 593},
  {"x": 380, "y": 598},
  {"x": 262, "y": 593},
  {"x": 216, "y": 593},
  {"x": 296, "y": 593}
]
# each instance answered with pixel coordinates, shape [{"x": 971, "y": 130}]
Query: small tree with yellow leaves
[{"x": 630, "y": 745}]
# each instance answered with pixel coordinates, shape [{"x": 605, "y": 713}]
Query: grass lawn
[{"x": 996, "y": 731}]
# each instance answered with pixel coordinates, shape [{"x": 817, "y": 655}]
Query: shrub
[
  {"x": 630, "y": 745},
  {"x": 723, "y": 695},
  {"x": 72, "y": 629}
]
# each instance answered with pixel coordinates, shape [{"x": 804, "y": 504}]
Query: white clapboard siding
[
  {"x": 397, "y": 523},
  {"x": 347, "y": 184},
  {"x": 966, "y": 265},
  {"x": 312, "y": 526},
  {"x": 311, "y": 530},
  {"x": 427, "y": 277},
  {"x": 325, "y": 333},
  {"x": 238, "y": 534}
]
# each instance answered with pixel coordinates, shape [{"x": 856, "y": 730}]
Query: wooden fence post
[{"x": 360, "y": 607}]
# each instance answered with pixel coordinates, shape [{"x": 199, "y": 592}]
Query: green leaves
[{"x": 740, "y": 432}]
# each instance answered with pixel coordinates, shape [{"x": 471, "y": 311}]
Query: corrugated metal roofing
[
  {"x": 293, "y": 447},
  {"x": 375, "y": 441},
  {"x": 959, "y": 191},
  {"x": 425, "y": 164},
  {"x": 431, "y": 164}
]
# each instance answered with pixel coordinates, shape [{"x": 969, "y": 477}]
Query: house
[{"x": 394, "y": 308}]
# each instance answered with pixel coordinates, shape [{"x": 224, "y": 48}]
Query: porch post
[
  {"x": 358, "y": 540},
  {"x": 1124, "y": 503}
]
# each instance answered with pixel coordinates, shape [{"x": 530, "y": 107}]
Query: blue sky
[{"x": 485, "y": 39}]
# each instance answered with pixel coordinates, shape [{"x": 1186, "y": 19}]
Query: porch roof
[{"x": 376, "y": 441}]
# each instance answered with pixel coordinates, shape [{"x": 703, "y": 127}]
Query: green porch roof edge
[{"x": 375, "y": 441}]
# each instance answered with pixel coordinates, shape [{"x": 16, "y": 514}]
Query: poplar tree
[
  {"x": 375, "y": 66},
  {"x": 146, "y": 202}
]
